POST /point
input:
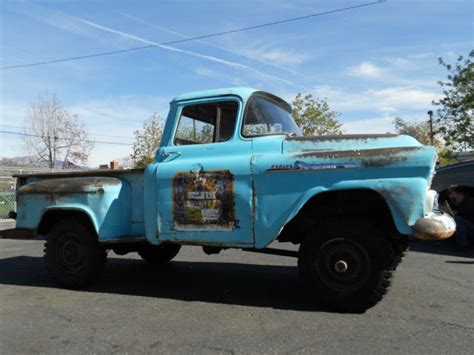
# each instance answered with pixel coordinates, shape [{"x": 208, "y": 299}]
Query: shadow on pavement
[
  {"x": 227, "y": 283},
  {"x": 445, "y": 247}
]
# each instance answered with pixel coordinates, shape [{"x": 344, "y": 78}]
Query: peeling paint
[
  {"x": 369, "y": 158},
  {"x": 340, "y": 137},
  {"x": 204, "y": 199},
  {"x": 85, "y": 173},
  {"x": 78, "y": 185},
  {"x": 365, "y": 153}
]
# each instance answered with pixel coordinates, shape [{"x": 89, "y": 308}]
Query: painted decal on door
[{"x": 204, "y": 199}]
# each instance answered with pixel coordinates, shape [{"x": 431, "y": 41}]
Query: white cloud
[
  {"x": 211, "y": 58},
  {"x": 274, "y": 57},
  {"x": 395, "y": 71},
  {"x": 64, "y": 23},
  {"x": 386, "y": 100},
  {"x": 228, "y": 80},
  {"x": 367, "y": 70},
  {"x": 376, "y": 124},
  {"x": 402, "y": 63},
  {"x": 403, "y": 97},
  {"x": 283, "y": 57},
  {"x": 367, "y": 126}
]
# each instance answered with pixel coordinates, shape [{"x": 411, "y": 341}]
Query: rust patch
[
  {"x": 340, "y": 137},
  {"x": 432, "y": 236},
  {"x": 78, "y": 185},
  {"x": 433, "y": 229},
  {"x": 94, "y": 172},
  {"x": 204, "y": 199},
  {"x": 370, "y": 158},
  {"x": 392, "y": 197}
]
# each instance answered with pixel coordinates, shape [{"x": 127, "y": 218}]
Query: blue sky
[{"x": 372, "y": 63}]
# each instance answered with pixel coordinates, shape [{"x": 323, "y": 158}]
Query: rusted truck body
[{"x": 234, "y": 171}]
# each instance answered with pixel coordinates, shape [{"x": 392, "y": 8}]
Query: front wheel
[
  {"x": 349, "y": 272},
  {"x": 73, "y": 256}
]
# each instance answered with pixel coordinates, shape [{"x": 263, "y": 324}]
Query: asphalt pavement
[{"x": 234, "y": 302}]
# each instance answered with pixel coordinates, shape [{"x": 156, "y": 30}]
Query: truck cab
[{"x": 234, "y": 171}]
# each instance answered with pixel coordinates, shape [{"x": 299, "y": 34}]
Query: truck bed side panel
[{"x": 113, "y": 203}]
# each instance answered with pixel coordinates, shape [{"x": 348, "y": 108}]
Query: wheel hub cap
[{"x": 341, "y": 266}]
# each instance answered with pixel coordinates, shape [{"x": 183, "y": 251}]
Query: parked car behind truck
[{"x": 234, "y": 171}]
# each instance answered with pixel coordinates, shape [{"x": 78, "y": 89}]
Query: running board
[{"x": 271, "y": 251}]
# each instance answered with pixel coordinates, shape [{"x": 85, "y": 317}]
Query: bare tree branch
[{"x": 54, "y": 134}]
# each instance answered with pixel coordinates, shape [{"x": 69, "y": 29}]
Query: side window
[{"x": 206, "y": 123}]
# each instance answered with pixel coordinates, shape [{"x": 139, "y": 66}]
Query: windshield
[{"x": 265, "y": 116}]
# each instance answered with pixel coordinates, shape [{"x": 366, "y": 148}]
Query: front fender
[
  {"x": 404, "y": 197},
  {"x": 285, "y": 183},
  {"x": 404, "y": 200}
]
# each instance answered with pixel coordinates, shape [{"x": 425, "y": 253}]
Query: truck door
[{"x": 204, "y": 184}]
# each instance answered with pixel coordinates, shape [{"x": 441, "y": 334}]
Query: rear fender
[{"x": 106, "y": 200}]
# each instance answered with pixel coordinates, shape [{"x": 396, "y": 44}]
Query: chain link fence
[
  {"x": 7, "y": 196},
  {"x": 8, "y": 187}
]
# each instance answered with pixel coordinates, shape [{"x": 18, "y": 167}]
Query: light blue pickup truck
[{"x": 234, "y": 171}]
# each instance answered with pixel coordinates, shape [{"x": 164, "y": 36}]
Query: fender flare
[
  {"x": 72, "y": 208},
  {"x": 398, "y": 219}
]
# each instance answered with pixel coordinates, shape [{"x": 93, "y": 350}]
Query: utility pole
[{"x": 430, "y": 113}]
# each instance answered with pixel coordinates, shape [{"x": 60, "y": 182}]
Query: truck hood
[
  {"x": 359, "y": 150},
  {"x": 347, "y": 142}
]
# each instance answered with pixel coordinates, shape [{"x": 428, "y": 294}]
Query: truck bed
[
  {"x": 76, "y": 173},
  {"x": 114, "y": 197}
]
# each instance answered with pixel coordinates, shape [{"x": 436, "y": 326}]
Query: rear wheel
[
  {"x": 159, "y": 254},
  {"x": 73, "y": 256},
  {"x": 349, "y": 271}
]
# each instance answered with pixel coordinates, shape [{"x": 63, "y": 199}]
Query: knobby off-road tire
[
  {"x": 74, "y": 258},
  {"x": 348, "y": 267},
  {"x": 161, "y": 254},
  {"x": 400, "y": 248}
]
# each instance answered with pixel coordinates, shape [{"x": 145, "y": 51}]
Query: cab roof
[{"x": 243, "y": 92}]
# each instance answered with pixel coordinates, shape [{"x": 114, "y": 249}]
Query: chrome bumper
[{"x": 435, "y": 226}]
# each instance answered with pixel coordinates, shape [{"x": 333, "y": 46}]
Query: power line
[
  {"x": 216, "y": 34},
  {"x": 92, "y": 134},
  {"x": 37, "y": 135}
]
